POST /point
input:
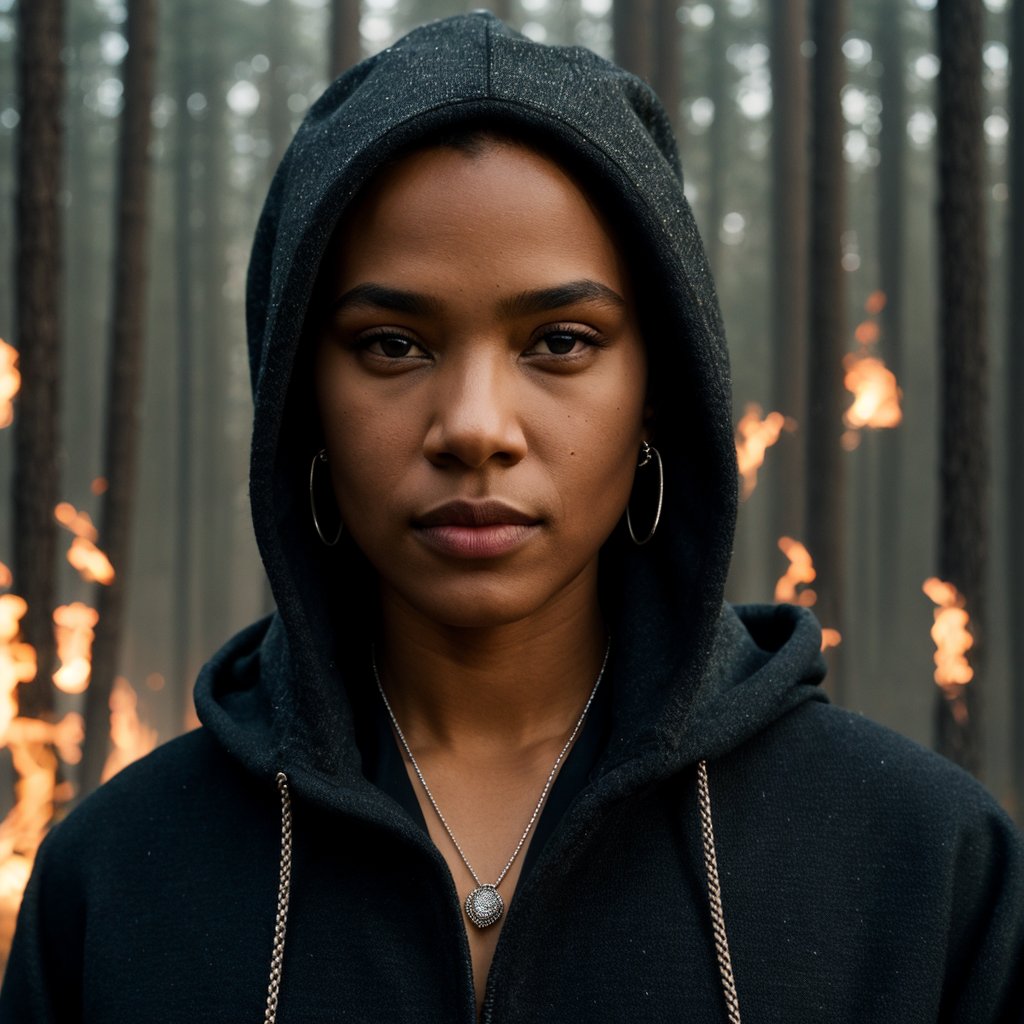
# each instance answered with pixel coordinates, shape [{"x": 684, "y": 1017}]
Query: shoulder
[
  {"x": 863, "y": 762},
  {"x": 151, "y": 805},
  {"x": 872, "y": 813},
  {"x": 839, "y": 772},
  {"x": 880, "y": 851}
]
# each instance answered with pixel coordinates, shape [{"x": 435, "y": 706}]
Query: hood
[{"x": 276, "y": 695}]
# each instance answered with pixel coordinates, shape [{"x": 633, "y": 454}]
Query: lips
[
  {"x": 475, "y": 513},
  {"x": 475, "y": 529}
]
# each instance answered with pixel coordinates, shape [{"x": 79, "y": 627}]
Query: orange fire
[
  {"x": 952, "y": 641},
  {"x": 17, "y": 659},
  {"x": 91, "y": 563},
  {"x": 876, "y": 401},
  {"x": 31, "y": 743},
  {"x": 876, "y": 392},
  {"x": 875, "y": 303},
  {"x": 10, "y": 382},
  {"x": 75, "y": 624},
  {"x": 6, "y": 579},
  {"x": 79, "y": 523},
  {"x": 801, "y": 571},
  {"x": 754, "y": 436},
  {"x": 130, "y": 739},
  {"x": 830, "y": 638}
]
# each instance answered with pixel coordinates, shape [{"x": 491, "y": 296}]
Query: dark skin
[{"x": 482, "y": 346}]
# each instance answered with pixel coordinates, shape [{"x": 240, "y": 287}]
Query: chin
[
  {"x": 480, "y": 604},
  {"x": 478, "y": 614}
]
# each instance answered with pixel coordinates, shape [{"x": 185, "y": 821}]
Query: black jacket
[{"x": 863, "y": 878}]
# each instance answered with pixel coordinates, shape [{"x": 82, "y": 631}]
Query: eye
[
  {"x": 390, "y": 346},
  {"x": 563, "y": 341}
]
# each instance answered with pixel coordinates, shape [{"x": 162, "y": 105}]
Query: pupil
[
  {"x": 561, "y": 344},
  {"x": 394, "y": 346}
]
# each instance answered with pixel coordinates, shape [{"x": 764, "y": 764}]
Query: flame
[
  {"x": 79, "y": 523},
  {"x": 867, "y": 332},
  {"x": 10, "y": 382},
  {"x": 951, "y": 636},
  {"x": 99, "y": 485},
  {"x": 91, "y": 563},
  {"x": 32, "y": 744},
  {"x": 6, "y": 579},
  {"x": 801, "y": 571},
  {"x": 876, "y": 401},
  {"x": 875, "y": 302},
  {"x": 876, "y": 392},
  {"x": 75, "y": 624},
  {"x": 754, "y": 436},
  {"x": 830, "y": 638},
  {"x": 130, "y": 738},
  {"x": 17, "y": 659}
]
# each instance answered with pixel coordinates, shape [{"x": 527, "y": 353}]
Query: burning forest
[
  {"x": 45, "y": 751},
  {"x": 878, "y": 465}
]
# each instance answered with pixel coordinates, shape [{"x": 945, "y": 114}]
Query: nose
[{"x": 475, "y": 418}]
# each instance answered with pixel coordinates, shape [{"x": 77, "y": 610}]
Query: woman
[{"x": 503, "y": 753}]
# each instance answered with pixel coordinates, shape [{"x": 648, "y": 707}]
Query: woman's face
[{"x": 480, "y": 379}]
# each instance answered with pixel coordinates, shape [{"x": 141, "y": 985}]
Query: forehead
[{"x": 504, "y": 206}]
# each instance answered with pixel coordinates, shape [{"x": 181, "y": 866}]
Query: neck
[{"x": 495, "y": 687}]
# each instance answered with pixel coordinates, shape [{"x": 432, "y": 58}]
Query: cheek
[
  {"x": 600, "y": 452},
  {"x": 362, "y": 444}
]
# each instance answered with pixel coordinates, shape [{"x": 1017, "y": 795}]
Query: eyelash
[{"x": 589, "y": 337}]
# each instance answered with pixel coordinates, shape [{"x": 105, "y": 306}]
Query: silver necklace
[{"x": 484, "y": 905}]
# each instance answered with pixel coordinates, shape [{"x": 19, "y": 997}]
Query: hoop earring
[
  {"x": 321, "y": 456},
  {"x": 648, "y": 451}
]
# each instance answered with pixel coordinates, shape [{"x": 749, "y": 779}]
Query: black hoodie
[{"x": 863, "y": 879}]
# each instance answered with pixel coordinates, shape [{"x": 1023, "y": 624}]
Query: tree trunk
[
  {"x": 718, "y": 176},
  {"x": 668, "y": 62},
  {"x": 633, "y": 36},
  {"x": 789, "y": 258},
  {"x": 345, "y": 47},
  {"x": 1015, "y": 388},
  {"x": 125, "y": 377},
  {"x": 38, "y": 293},
  {"x": 964, "y": 441},
  {"x": 891, "y": 250},
  {"x": 826, "y": 485},
  {"x": 216, "y": 464},
  {"x": 181, "y": 660},
  {"x": 279, "y": 118}
]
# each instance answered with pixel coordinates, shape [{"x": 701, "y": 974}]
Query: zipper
[{"x": 487, "y": 1010}]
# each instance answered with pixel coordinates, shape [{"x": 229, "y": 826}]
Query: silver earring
[
  {"x": 648, "y": 451},
  {"x": 321, "y": 456}
]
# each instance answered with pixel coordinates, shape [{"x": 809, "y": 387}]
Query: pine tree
[{"x": 963, "y": 351}]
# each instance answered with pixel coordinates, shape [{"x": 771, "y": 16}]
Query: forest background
[{"x": 856, "y": 194}]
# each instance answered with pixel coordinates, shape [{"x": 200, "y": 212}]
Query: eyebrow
[{"x": 541, "y": 300}]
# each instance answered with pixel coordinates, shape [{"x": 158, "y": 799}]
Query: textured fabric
[{"x": 864, "y": 879}]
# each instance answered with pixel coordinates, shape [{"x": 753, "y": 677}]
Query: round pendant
[{"x": 484, "y": 906}]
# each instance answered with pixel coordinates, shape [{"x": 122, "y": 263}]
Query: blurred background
[{"x": 851, "y": 164}]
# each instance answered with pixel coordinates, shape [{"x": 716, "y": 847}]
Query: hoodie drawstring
[
  {"x": 284, "y": 888},
  {"x": 732, "y": 1001}
]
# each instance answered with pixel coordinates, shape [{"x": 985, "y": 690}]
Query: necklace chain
[{"x": 544, "y": 792}]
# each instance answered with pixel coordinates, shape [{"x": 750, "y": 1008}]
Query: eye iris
[
  {"x": 395, "y": 346},
  {"x": 560, "y": 344}
]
